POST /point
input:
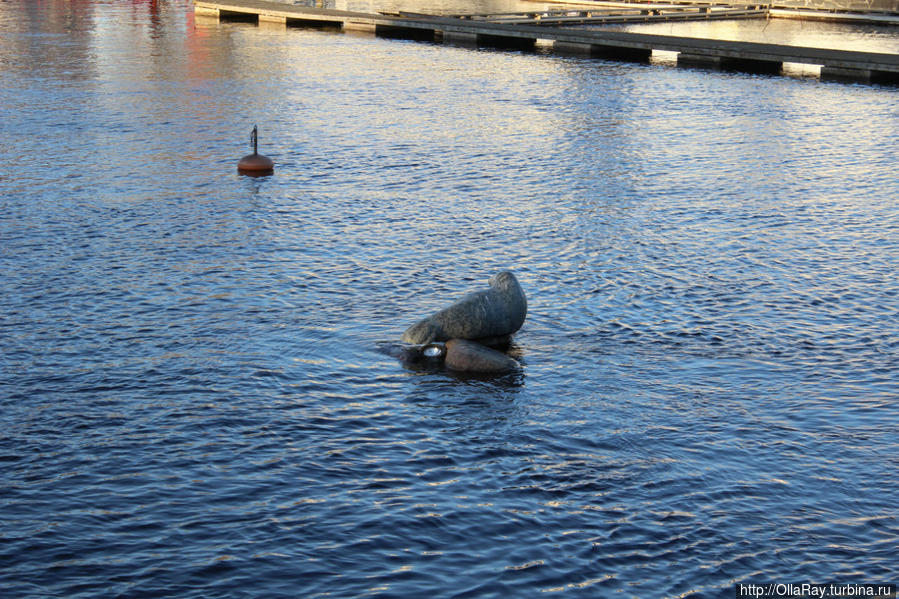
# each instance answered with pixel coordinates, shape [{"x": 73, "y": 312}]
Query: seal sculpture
[
  {"x": 468, "y": 356},
  {"x": 494, "y": 312}
]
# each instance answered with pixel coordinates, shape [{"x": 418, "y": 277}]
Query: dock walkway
[
  {"x": 601, "y": 15},
  {"x": 752, "y": 56}
]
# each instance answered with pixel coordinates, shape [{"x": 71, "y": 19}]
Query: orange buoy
[{"x": 255, "y": 164}]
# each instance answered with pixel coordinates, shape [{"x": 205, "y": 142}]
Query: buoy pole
[{"x": 255, "y": 165}]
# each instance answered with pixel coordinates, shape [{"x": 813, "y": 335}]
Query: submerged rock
[
  {"x": 494, "y": 312},
  {"x": 468, "y": 356}
]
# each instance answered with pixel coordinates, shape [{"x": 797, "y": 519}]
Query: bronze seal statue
[{"x": 497, "y": 311}]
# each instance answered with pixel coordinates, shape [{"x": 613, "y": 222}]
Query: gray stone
[
  {"x": 494, "y": 312},
  {"x": 467, "y": 356}
]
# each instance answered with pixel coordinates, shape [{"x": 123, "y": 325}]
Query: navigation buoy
[{"x": 255, "y": 164}]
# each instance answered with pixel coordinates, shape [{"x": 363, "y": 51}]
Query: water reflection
[{"x": 865, "y": 38}]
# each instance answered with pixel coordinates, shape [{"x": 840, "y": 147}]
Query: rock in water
[
  {"x": 468, "y": 356},
  {"x": 499, "y": 310}
]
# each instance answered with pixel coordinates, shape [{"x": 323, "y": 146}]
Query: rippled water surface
[{"x": 195, "y": 400}]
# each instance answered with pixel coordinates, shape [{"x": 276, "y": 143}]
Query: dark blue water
[{"x": 194, "y": 400}]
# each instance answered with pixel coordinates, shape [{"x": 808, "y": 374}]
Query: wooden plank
[{"x": 638, "y": 18}]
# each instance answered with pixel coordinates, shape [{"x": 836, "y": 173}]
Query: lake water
[{"x": 195, "y": 397}]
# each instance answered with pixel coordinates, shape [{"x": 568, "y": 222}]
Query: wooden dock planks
[{"x": 600, "y": 16}]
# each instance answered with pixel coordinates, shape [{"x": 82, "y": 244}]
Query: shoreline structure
[{"x": 522, "y": 30}]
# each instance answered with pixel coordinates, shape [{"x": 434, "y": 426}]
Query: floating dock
[
  {"x": 466, "y": 30},
  {"x": 621, "y": 14}
]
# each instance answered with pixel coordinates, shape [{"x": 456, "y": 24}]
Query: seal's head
[
  {"x": 434, "y": 351},
  {"x": 504, "y": 280}
]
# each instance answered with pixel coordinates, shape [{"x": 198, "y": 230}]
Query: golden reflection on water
[{"x": 781, "y": 31}]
